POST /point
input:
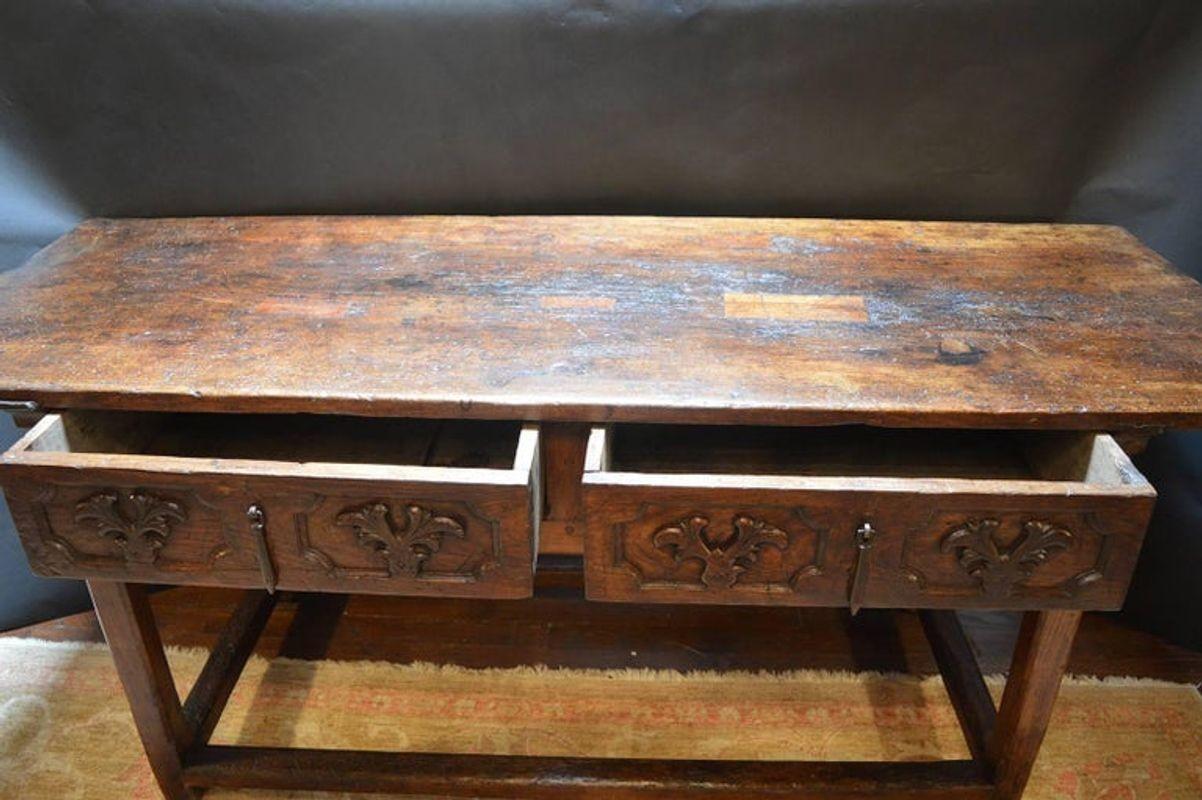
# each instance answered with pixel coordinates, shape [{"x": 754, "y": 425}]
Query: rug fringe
[{"x": 631, "y": 674}]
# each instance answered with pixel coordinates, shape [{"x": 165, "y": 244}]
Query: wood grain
[{"x": 595, "y": 319}]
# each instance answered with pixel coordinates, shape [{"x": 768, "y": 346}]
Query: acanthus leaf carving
[
  {"x": 998, "y": 567},
  {"x": 724, "y": 558},
  {"x": 138, "y": 522},
  {"x": 404, "y": 545}
]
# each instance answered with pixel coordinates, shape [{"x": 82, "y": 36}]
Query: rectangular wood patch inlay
[
  {"x": 575, "y": 301},
  {"x": 803, "y": 307}
]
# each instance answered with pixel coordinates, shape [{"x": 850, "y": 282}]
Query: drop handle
[
  {"x": 256, "y": 519},
  {"x": 865, "y": 538}
]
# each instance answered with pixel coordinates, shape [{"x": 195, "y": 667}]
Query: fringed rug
[{"x": 66, "y": 732}]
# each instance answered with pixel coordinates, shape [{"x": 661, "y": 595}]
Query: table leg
[
  {"x": 1040, "y": 658},
  {"x": 129, "y": 627},
  {"x": 171, "y": 740}
]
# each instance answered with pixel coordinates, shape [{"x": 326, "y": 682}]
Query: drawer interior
[
  {"x": 288, "y": 437},
  {"x": 867, "y": 451}
]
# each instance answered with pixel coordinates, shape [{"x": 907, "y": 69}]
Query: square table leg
[
  {"x": 1040, "y": 658},
  {"x": 128, "y": 623}
]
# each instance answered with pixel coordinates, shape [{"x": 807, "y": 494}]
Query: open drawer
[
  {"x": 296, "y": 501},
  {"x": 861, "y": 516}
]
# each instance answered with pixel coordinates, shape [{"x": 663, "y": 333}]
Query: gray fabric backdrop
[{"x": 946, "y": 109}]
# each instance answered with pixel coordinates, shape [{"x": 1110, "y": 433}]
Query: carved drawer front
[
  {"x": 861, "y": 517},
  {"x": 362, "y": 505},
  {"x": 142, "y": 529}
]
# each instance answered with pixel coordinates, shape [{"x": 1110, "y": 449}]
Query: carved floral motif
[
  {"x": 403, "y": 546},
  {"x": 724, "y": 557},
  {"x": 1000, "y": 568},
  {"x": 139, "y": 523}
]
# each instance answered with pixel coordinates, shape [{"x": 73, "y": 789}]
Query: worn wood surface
[{"x": 591, "y": 319}]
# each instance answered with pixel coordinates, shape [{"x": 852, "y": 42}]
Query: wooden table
[{"x": 722, "y": 411}]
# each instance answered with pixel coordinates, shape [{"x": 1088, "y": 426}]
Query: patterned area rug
[{"x": 66, "y": 732}]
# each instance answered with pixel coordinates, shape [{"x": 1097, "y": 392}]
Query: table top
[{"x": 733, "y": 321}]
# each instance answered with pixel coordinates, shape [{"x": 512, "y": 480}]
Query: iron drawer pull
[
  {"x": 258, "y": 531},
  {"x": 865, "y": 538}
]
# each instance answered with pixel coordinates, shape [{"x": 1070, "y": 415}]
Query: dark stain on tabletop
[{"x": 959, "y": 352}]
